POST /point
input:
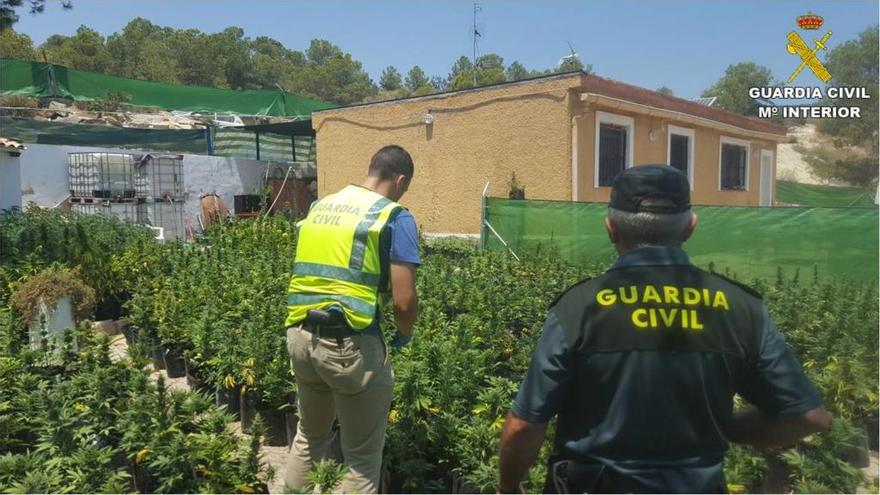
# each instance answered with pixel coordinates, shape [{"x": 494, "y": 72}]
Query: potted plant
[
  {"x": 268, "y": 397},
  {"x": 515, "y": 190}
]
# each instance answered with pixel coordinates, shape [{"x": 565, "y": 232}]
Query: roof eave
[
  {"x": 615, "y": 90},
  {"x": 679, "y": 116},
  {"x": 440, "y": 96}
]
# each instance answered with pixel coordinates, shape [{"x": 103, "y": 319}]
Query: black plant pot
[
  {"x": 230, "y": 398},
  {"x": 291, "y": 421},
  {"x": 143, "y": 480},
  {"x": 251, "y": 405},
  {"x": 130, "y": 333},
  {"x": 194, "y": 378},
  {"x": 22, "y": 442},
  {"x": 776, "y": 479},
  {"x": 276, "y": 428},
  {"x": 119, "y": 460},
  {"x": 856, "y": 455},
  {"x": 158, "y": 355},
  {"x": 248, "y": 404},
  {"x": 872, "y": 425},
  {"x": 174, "y": 365}
]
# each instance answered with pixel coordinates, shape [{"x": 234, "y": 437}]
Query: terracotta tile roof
[{"x": 634, "y": 94}]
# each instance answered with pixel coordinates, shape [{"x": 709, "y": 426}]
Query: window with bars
[
  {"x": 679, "y": 148},
  {"x": 612, "y": 152},
  {"x": 733, "y": 166}
]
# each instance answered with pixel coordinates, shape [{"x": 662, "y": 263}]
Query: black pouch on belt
[
  {"x": 330, "y": 324},
  {"x": 320, "y": 317}
]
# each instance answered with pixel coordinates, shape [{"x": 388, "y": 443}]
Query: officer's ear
[
  {"x": 689, "y": 230},
  {"x": 401, "y": 185},
  {"x": 613, "y": 235}
]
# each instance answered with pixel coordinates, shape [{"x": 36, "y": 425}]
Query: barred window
[
  {"x": 733, "y": 166},
  {"x": 612, "y": 152}
]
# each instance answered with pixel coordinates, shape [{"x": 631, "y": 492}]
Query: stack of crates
[{"x": 139, "y": 188}]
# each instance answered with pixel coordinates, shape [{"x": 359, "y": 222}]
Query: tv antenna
[
  {"x": 573, "y": 55},
  {"x": 476, "y": 34}
]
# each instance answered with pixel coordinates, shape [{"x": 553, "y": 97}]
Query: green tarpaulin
[
  {"x": 749, "y": 242},
  {"x": 794, "y": 193},
  {"x": 34, "y": 79},
  {"x": 40, "y": 132}
]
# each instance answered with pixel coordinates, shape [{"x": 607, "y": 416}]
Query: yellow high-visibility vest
[{"x": 338, "y": 260}]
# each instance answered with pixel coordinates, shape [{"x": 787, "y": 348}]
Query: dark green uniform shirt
[{"x": 641, "y": 365}]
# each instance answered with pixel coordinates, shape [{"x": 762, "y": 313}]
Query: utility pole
[{"x": 476, "y": 36}]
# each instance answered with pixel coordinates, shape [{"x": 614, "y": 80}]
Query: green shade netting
[
  {"x": 35, "y": 79},
  {"x": 747, "y": 242},
  {"x": 41, "y": 132},
  {"x": 794, "y": 193}
]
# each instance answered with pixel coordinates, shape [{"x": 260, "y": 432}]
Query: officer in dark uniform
[{"x": 642, "y": 363}]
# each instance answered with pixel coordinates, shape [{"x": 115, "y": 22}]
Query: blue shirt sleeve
[
  {"x": 549, "y": 375},
  {"x": 777, "y": 384},
  {"x": 404, "y": 239}
]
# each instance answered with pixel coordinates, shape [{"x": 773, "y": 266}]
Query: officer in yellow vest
[{"x": 357, "y": 248}]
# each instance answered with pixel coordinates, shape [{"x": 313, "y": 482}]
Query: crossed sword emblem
[{"x": 797, "y": 46}]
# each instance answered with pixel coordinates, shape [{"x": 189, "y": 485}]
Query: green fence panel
[
  {"x": 748, "y": 242},
  {"x": 794, "y": 193},
  {"x": 22, "y": 78},
  {"x": 240, "y": 143}
]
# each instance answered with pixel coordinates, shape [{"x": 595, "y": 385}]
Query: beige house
[{"x": 564, "y": 136}]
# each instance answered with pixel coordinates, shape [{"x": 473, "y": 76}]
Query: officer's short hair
[
  {"x": 650, "y": 229},
  {"x": 390, "y": 161}
]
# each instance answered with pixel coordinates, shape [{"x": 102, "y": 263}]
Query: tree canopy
[
  {"x": 663, "y": 90},
  {"x": 416, "y": 78},
  {"x": 8, "y": 15},
  {"x": 732, "y": 90},
  {"x": 855, "y": 154},
  {"x": 231, "y": 60},
  {"x": 854, "y": 64},
  {"x": 390, "y": 79}
]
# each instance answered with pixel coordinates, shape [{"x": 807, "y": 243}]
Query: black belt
[
  {"x": 330, "y": 332},
  {"x": 332, "y": 324},
  {"x": 337, "y": 332}
]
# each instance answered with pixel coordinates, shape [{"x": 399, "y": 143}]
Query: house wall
[
  {"x": 10, "y": 181},
  {"x": 475, "y": 137},
  {"x": 645, "y": 151},
  {"x": 532, "y": 129}
]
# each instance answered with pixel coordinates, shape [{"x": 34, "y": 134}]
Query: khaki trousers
[{"x": 351, "y": 382}]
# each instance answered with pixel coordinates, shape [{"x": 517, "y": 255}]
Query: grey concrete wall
[
  {"x": 223, "y": 176},
  {"x": 10, "y": 181},
  {"x": 44, "y": 179}
]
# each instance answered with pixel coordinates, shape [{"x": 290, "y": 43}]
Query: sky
[{"x": 681, "y": 44}]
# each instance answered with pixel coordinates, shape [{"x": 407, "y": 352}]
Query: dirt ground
[
  {"x": 872, "y": 473},
  {"x": 790, "y": 165}
]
